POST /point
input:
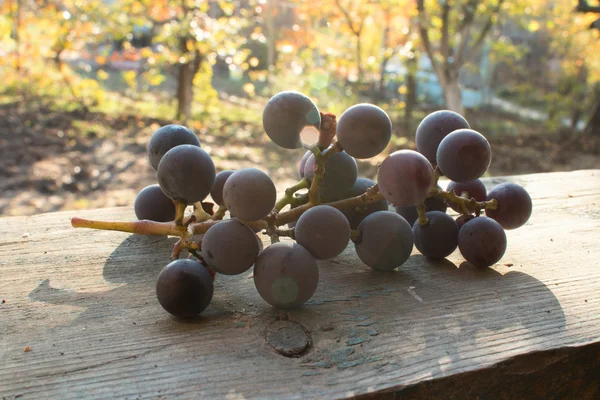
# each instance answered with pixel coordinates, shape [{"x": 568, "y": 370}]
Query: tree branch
[
  {"x": 424, "y": 33},
  {"x": 349, "y": 19},
  {"x": 584, "y": 7},
  {"x": 482, "y": 35},
  {"x": 445, "y": 40}
]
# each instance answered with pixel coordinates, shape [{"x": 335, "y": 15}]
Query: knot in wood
[{"x": 288, "y": 338}]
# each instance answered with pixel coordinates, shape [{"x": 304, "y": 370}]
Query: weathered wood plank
[{"x": 84, "y": 302}]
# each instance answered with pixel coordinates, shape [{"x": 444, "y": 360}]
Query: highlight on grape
[{"x": 328, "y": 208}]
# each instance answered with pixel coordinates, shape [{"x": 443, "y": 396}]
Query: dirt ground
[{"x": 51, "y": 161}]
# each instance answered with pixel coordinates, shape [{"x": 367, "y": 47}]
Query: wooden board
[{"x": 84, "y": 302}]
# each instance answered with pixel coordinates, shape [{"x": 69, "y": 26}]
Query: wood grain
[{"x": 84, "y": 302}]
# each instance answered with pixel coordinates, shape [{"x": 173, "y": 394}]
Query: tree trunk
[
  {"x": 381, "y": 96},
  {"x": 384, "y": 61},
  {"x": 271, "y": 34},
  {"x": 359, "y": 76},
  {"x": 411, "y": 95},
  {"x": 18, "y": 36},
  {"x": 593, "y": 125},
  {"x": 185, "y": 84},
  {"x": 452, "y": 94}
]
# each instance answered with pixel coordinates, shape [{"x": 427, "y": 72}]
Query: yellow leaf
[
  {"x": 102, "y": 75},
  {"x": 157, "y": 80},
  {"x": 533, "y": 26},
  {"x": 146, "y": 52},
  {"x": 249, "y": 88}
]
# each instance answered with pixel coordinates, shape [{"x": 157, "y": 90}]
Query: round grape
[
  {"x": 385, "y": 241},
  {"x": 433, "y": 128},
  {"x": 286, "y": 275},
  {"x": 230, "y": 247},
  {"x": 405, "y": 178},
  {"x": 186, "y": 173},
  {"x": 340, "y": 175},
  {"x": 167, "y": 137},
  {"x": 439, "y": 238},
  {"x": 356, "y": 215},
  {"x": 285, "y": 116},
  {"x": 482, "y": 241},
  {"x": 409, "y": 213},
  {"x": 364, "y": 130},
  {"x": 464, "y": 155},
  {"x": 324, "y": 231},
  {"x": 249, "y": 194},
  {"x": 514, "y": 205},
  {"x": 475, "y": 189},
  {"x": 463, "y": 219},
  {"x": 217, "y": 190},
  {"x": 152, "y": 204},
  {"x": 303, "y": 163},
  {"x": 433, "y": 203},
  {"x": 184, "y": 288}
]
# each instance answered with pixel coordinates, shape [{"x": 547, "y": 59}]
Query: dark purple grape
[
  {"x": 463, "y": 219},
  {"x": 385, "y": 241},
  {"x": 439, "y": 238},
  {"x": 356, "y": 215},
  {"x": 364, "y": 130},
  {"x": 434, "y": 128},
  {"x": 186, "y": 173},
  {"x": 303, "y": 163},
  {"x": 405, "y": 178},
  {"x": 340, "y": 175},
  {"x": 285, "y": 116},
  {"x": 514, "y": 205},
  {"x": 482, "y": 241},
  {"x": 152, "y": 204},
  {"x": 433, "y": 203},
  {"x": 286, "y": 275},
  {"x": 436, "y": 203},
  {"x": 217, "y": 190},
  {"x": 409, "y": 213},
  {"x": 167, "y": 137},
  {"x": 230, "y": 247},
  {"x": 249, "y": 194},
  {"x": 184, "y": 288},
  {"x": 464, "y": 155},
  {"x": 324, "y": 231},
  {"x": 475, "y": 189}
]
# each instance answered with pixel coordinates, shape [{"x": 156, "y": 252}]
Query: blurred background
[{"x": 85, "y": 83}]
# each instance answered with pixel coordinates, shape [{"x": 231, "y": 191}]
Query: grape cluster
[{"x": 327, "y": 209}]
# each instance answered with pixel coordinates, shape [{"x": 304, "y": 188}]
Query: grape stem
[
  {"x": 289, "y": 197},
  {"x": 286, "y": 232},
  {"x": 144, "y": 227},
  {"x": 328, "y": 130},
  {"x": 372, "y": 195},
  {"x": 314, "y": 196},
  {"x": 180, "y": 207},
  {"x": 355, "y": 235},
  {"x": 466, "y": 205},
  {"x": 421, "y": 210},
  {"x": 198, "y": 215},
  {"x": 184, "y": 244},
  {"x": 220, "y": 213}
]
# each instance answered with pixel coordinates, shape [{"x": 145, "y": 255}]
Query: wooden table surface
[{"x": 84, "y": 302}]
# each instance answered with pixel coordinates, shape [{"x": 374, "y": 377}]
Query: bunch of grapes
[{"x": 329, "y": 206}]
